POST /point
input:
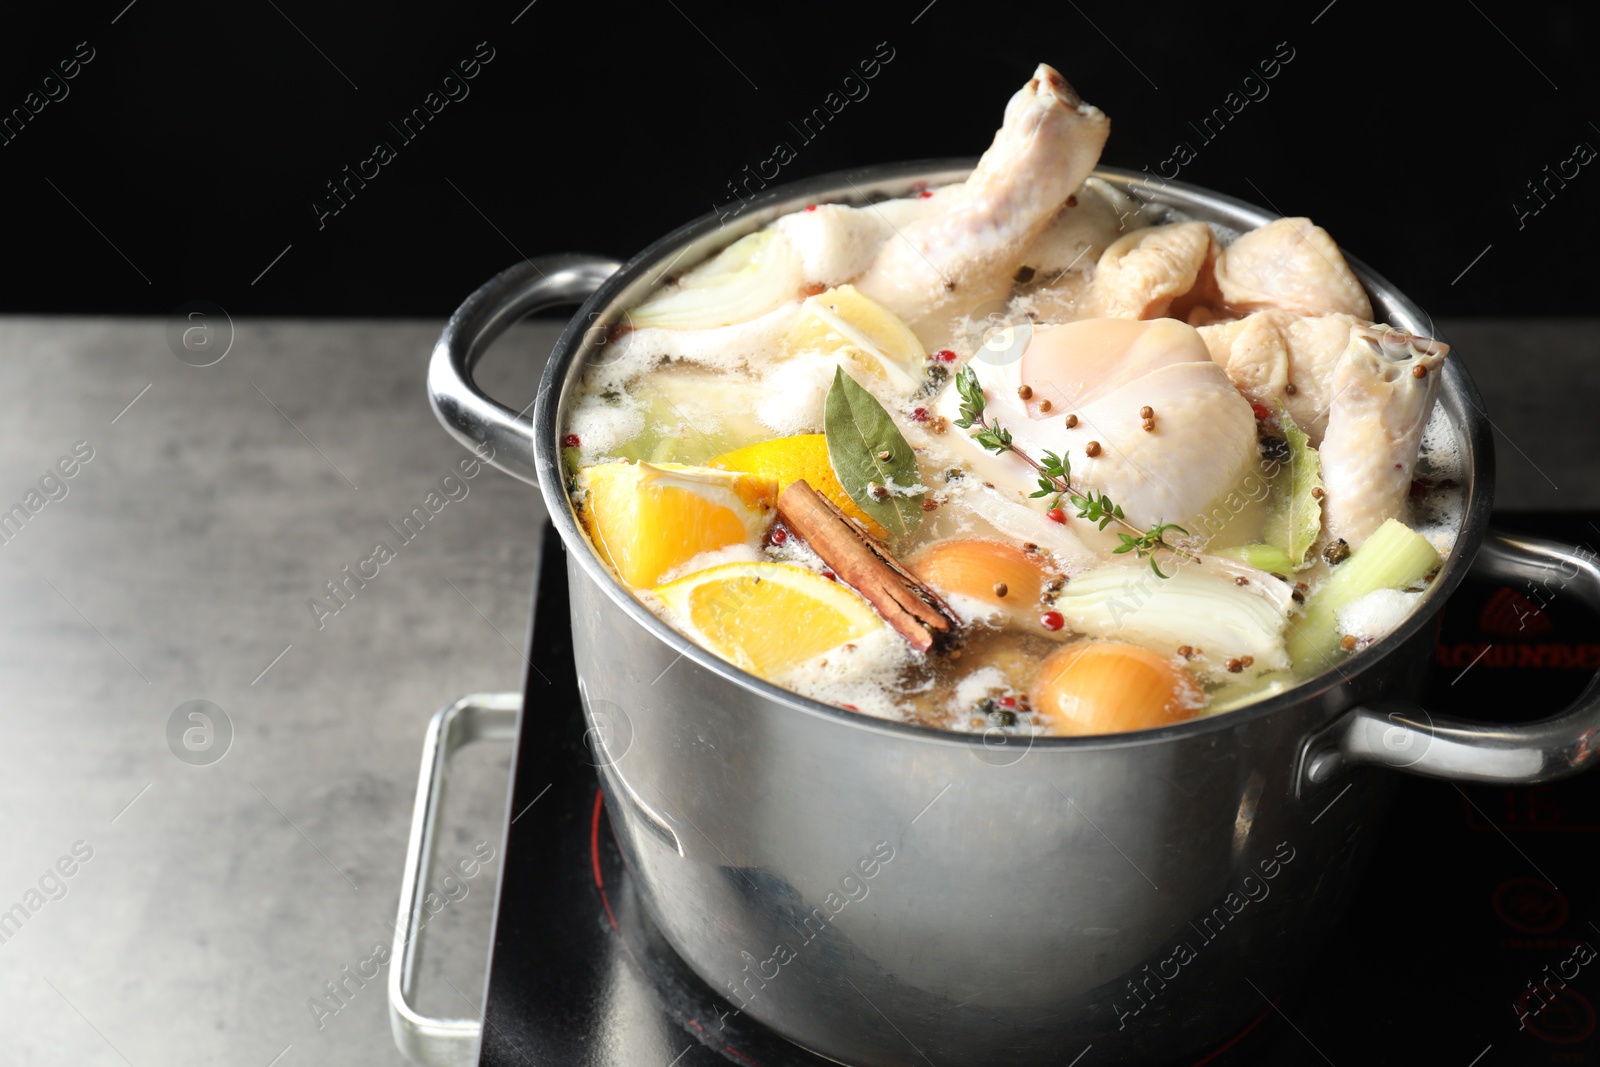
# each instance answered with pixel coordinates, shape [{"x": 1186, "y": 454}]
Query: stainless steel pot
[{"x": 885, "y": 894}]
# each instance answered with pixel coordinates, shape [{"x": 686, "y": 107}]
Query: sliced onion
[
  {"x": 744, "y": 281},
  {"x": 1199, "y": 605}
]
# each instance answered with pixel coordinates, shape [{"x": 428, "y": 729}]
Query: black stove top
[{"x": 1468, "y": 944}]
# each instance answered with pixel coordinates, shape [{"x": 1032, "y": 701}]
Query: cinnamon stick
[{"x": 862, "y": 562}]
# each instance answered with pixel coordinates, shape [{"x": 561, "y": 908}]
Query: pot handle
[
  {"x": 1402, "y": 736},
  {"x": 481, "y": 423}
]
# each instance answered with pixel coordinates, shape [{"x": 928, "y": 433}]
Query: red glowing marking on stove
[
  {"x": 594, "y": 854},
  {"x": 1240, "y": 1036}
]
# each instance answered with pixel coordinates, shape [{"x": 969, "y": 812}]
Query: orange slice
[
  {"x": 647, "y": 518},
  {"x": 767, "y": 618},
  {"x": 789, "y": 459}
]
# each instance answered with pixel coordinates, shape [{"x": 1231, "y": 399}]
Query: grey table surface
[{"x": 219, "y": 899}]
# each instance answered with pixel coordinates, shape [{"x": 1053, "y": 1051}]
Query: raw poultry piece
[
  {"x": 1383, "y": 390},
  {"x": 1292, "y": 264},
  {"x": 1278, "y": 357},
  {"x": 966, "y": 250},
  {"x": 1084, "y": 388},
  {"x": 1141, "y": 275}
]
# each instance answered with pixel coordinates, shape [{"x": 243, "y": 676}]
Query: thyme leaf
[{"x": 1055, "y": 480}]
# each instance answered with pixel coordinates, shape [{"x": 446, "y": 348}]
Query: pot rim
[{"x": 1458, "y": 394}]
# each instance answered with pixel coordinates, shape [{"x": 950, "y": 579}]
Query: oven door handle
[
  {"x": 496, "y": 433},
  {"x": 1403, "y": 736},
  {"x": 425, "y": 1040}
]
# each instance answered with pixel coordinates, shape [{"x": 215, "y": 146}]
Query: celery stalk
[
  {"x": 1394, "y": 557},
  {"x": 1269, "y": 558}
]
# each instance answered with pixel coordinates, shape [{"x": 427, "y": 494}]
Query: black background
[{"x": 196, "y": 139}]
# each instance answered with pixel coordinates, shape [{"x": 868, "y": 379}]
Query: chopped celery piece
[
  {"x": 1269, "y": 558},
  {"x": 1394, "y": 557},
  {"x": 1296, "y": 516}
]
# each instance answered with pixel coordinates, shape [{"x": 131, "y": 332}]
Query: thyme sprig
[{"x": 1055, "y": 480}]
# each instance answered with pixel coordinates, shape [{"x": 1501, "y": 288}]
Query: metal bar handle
[
  {"x": 428, "y": 1041},
  {"x": 472, "y": 416},
  {"x": 1403, "y": 736}
]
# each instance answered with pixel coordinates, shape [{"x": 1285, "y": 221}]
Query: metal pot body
[
  {"x": 884, "y": 894},
  {"x": 881, "y": 897}
]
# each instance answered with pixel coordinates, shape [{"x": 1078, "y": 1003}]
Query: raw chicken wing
[
  {"x": 1383, "y": 390},
  {"x": 1278, "y": 357},
  {"x": 966, "y": 250},
  {"x": 1291, "y": 264}
]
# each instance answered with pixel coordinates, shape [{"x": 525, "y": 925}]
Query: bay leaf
[
  {"x": 1295, "y": 519},
  {"x": 858, "y": 432}
]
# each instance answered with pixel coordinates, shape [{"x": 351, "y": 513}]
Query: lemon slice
[
  {"x": 789, "y": 459},
  {"x": 842, "y": 319},
  {"x": 647, "y": 518},
  {"x": 767, "y": 618}
]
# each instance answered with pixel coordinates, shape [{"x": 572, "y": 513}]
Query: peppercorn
[
  {"x": 1275, "y": 449},
  {"x": 1092, "y": 449},
  {"x": 1241, "y": 580},
  {"x": 1348, "y": 642},
  {"x": 1337, "y": 552},
  {"x": 1289, "y": 389},
  {"x": 885, "y": 454},
  {"x": 1186, "y": 651},
  {"x": 1023, "y": 276},
  {"x": 1149, "y": 425},
  {"x": 1025, "y": 391},
  {"x": 1247, "y": 661},
  {"x": 1419, "y": 371},
  {"x": 1317, "y": 492},
  {"x": 1235, "y": 666},
  {"x": 1072, "y": 421},
  {"x": 1001, "y": 589},
  {"x": 1147, "y": 412},
  {"x": 1044, "y": 407}
]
